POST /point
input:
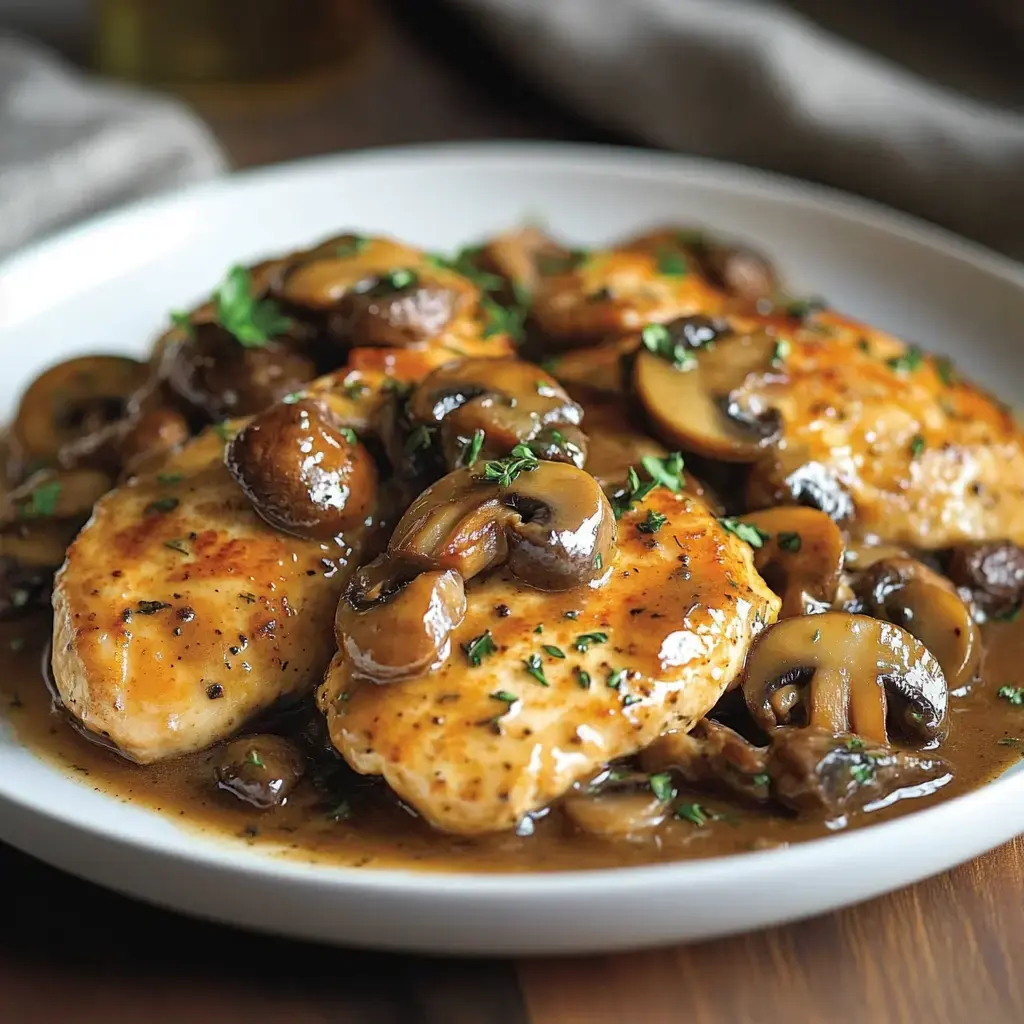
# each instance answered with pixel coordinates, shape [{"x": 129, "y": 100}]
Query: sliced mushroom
[
  {"x": 993, "y": 572},
  {"x": 395, "y": 621},
  {"x": 788, "y": 476},
  {"x": 711, "y": 753},
  {"x": 841, "y": 673},
  {"x": 54, "y": 494},
  {"x": 906, "y": 592},
  {"x": 551, "y": 524},
  {"x": 303, "y": 470},
  {"x": 616, "y": 810},
  {"x": 213, "y": 373},
  {"x": 372, "y": 291},
  {"x": 260, "y": 770},
  {"x": 817, "y": 772},
  {"x": 801, "y": 557},
  {"x": 517, "y": 257},
  {"x": 72, "y": 399},
  {"x": 690, "y": 394},
  {"x": 503, "y": 401}
]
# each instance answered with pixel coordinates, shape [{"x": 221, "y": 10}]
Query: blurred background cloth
[
  {"x": 916, "y": 103},
  {"x": 71, "y": 145}
]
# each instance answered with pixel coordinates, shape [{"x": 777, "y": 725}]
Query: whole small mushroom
[{"x": 261, "y": 770}]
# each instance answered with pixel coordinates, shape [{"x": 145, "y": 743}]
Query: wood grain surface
[{"x": 947, "y": 951}]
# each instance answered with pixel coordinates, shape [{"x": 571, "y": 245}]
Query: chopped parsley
[
  {"x": 862, "y": 772},
  {"x": 584, "y": 641},
  {"x": 801, "y": 309},
  {"x": 761, "y": 779},
  {"x": 479, "y": 647},
  {"x": 598, "y": 560},
  {"x": 854, "y": 743},
  {"x": 349, "y": 434},
  {"x": 907, "y": 362},
  {"x": 397, "y": 279},
  {"x": 161, "y": 505},
  {"x": 247, "y": 597},
  {"x": 504, "y": 471},
  {"x": 658, "y": 340},
  {"x": 671, "y": 263},
  {"x": 534, "y": 668},
  {"x": 864, "y": 345},
  {"x": 917, "y": 445},
  {"x": 539, "y": 628},
  {"x": 781, "y": 351},
  {"x": 292, "y": 397},
  {"x": 253, "y": 322},
  {"x": 789, "y": 541},
  {"x": 616, "y": 677},
  {"x": 182, "y": 320},
  {"x": 667, "y": 472},
  {"x": 169, "y": 479},
  {"x": 223, "y": 430},
  {"x": 1013, "y": 694},
  {"x": 504, "y": 696},
  {"x": 351, "y": 246},
  {"x": 254, "y": 759},
  {"x": 1010, "y": 615},
  {"x": 42, "y": 502},
  {"x": 653, "y": 523},
  {"x": 355, "y": 389},
  {"x": 471, "y": 447},
  {"x": 555, "y": 652},
  {"x": 419, "y": 439},
  {"x": 661, "y": 786},
  {"x": 583, "y": 678},
  {"x": 499, "y": 319},
  {"x": 745, "y": 531},
  {"x": 946, "y": 371},
  {"x": 696, "y": 814}
]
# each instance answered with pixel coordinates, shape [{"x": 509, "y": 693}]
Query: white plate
[{"x": 108, "y": 286}]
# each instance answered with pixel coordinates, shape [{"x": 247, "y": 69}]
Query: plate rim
[{"x": 229, "y": 855}]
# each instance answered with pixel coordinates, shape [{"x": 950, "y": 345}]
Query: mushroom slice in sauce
[
  {"x": 800, "y": 557},
  {"x": 487, "y": 406},
  {"x": 689, "y": 393},
  {"x": 550, "y": 522},
  {"x": 841, "y": 673},
  {"x": 616, "y": 805},
  {"x": 993, "y": 572},
  {"x": 817, "y": 772},
  {"x": 71, "y": 399},
  {"x": 260, "y": 770},
  {"x": 908, "y": 593}
]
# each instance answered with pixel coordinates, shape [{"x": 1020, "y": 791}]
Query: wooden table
[{"x": 947, "y": 951}]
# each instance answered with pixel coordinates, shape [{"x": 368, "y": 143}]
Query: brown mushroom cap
[
  {"x": 801, "y": 557},
  {"x": 260, "y": 770},
  {"x": 551, "y": 524},
  {"x": 71, "y": 399},
  {"x": 909, "y": 594},
  {"x": 509, "y": 400},
  {"x": 993, "y": 572},
  {"x": 862, "y": 672},
  {"x": 303, "y": 470},
  {"x": 691, "y": 404},
  {"x": 395, "y": 621},
  {"x": 212, "y": 372}
]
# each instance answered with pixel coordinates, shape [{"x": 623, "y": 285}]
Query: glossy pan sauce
[{"x": 359, "y": 823}]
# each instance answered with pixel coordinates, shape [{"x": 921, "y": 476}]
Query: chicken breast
[
  {"x": 179, "y": 614},
  {"x": 928, "y": 459},
  {"x": 574, "y": 680}
]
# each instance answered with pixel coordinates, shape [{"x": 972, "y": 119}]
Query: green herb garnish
[
  {"x": 504, "y": 471},
  {"x": 667, "y": 471},
  {"x": 583, "y": 678},
  {"x": 499, "y": 319},
  {"x": 1013, "y": 694},
  {"x": 907, "y": 362},
  {"x": 161, "y": 505},
  {"x": 253, "y": 322},
  {"x": 661, "y": 786},
  {"x": 555, "y": 652},
  {"x": 535, "y": 668},
  {"x": 349, "y": 434},
  {"x": 351, "y": 246},
  {"x": 616, "y": 677},
  {"x": 671, "y": 263},
  {"x": 696, "y": 814},
  {"x": 419, "y": 439},
  {"x": 471, "y": 447},
  {"x": 917, "y": 446},
  {"x": 789, "y": 541},
  {"x": 862, "y": 772},
  {"x": 745, "y": 531},
  {"x": 584, "y": 641},
  {"x": 169, "y": 479},
  {"x": 479, "y": 648},
  {"x": 781, "y": 351},
  {"x": 657, "y": 339},
  {"x": 653, "y": 523},
  {"x": 254, "y": 758},
  {"x": 42, "y": 502}
]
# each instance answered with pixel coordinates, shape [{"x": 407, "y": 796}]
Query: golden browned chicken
[{"x": 540, "y": 687}]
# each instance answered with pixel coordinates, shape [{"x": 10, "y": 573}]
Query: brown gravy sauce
[{"x": 360, "y": 824}]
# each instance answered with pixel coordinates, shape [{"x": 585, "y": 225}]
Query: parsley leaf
[
  {"x": 697, "y": 814},
  {"x": 667, "y": 471},
  {"x": 351, "y": 246},
  {"x": 583, "y": 678},
  {"x": 504, "y": 471},
  {"x": 671, "y": 263},
  {"x": 499, "y": 319},
  {"x": 1013, "y": 694},
  {"x": 789, "y": 541},
  {"x": 745, "y": 531},
  {"x": 253, "y": 322},
  {"x": 584, "y": 641},
  {"x": 555, "y": 652},
  {"x": 42, "y": 502},
  {"x": 534, "y": 667},
  {"x": 479, "y": 647},
  {"x": 917, "y": 445},
  {"x": 653, "y": 523},
  {"x": 658, "y": 340},
  {"x": 906, "y": 363},
  {"x": 471, "y": 447},
  {"x": 661, "y": 786}
]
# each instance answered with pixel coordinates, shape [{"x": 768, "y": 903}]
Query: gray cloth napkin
[
  {"x": 71, "y": 145},
  {"x": 916, "y": 103}
]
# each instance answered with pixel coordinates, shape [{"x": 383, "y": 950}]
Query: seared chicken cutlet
[
  {"x": 179, "y": 613},
  {"x": 541, "y": 688}
]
